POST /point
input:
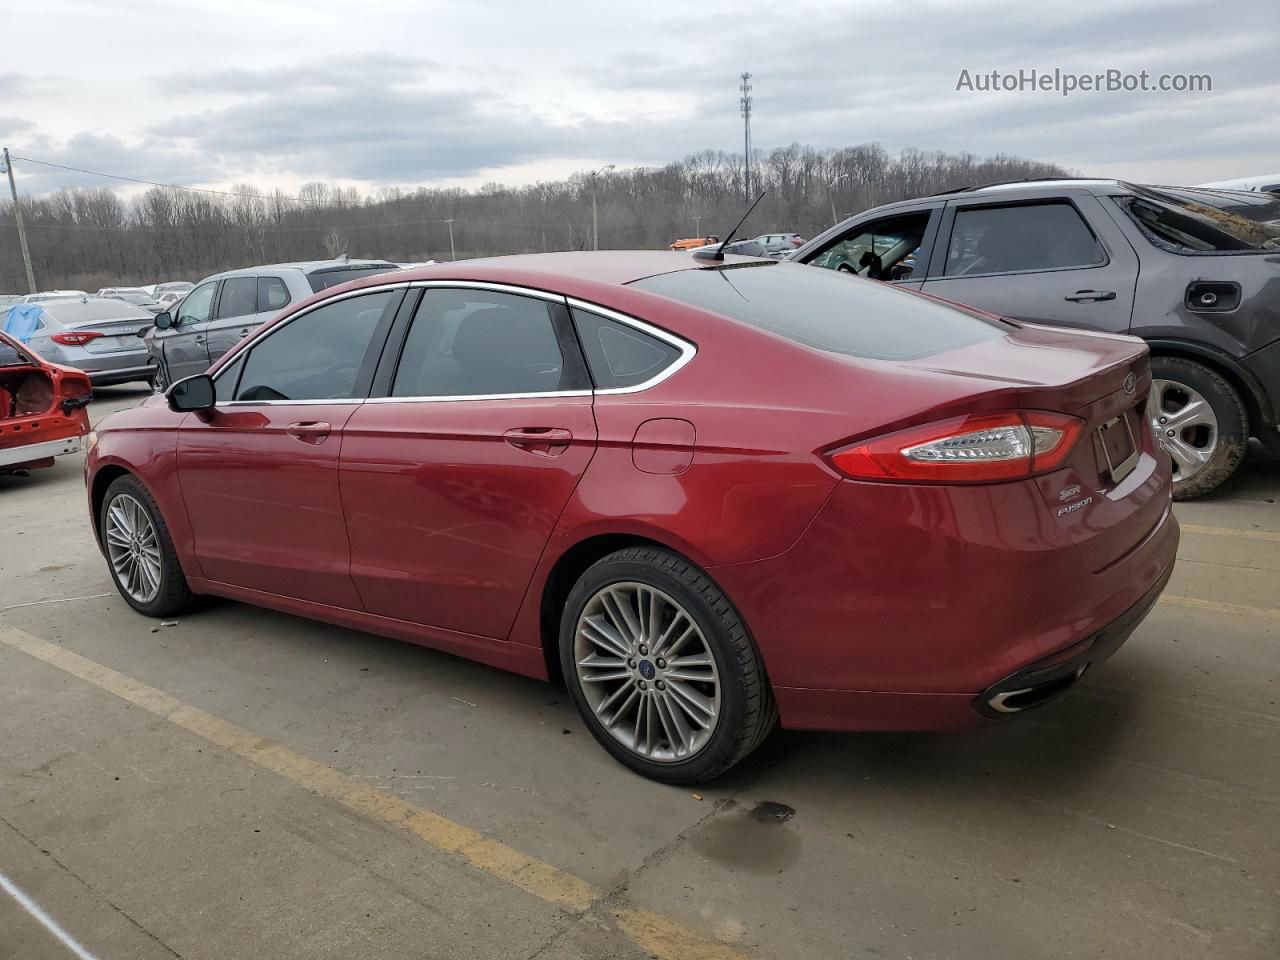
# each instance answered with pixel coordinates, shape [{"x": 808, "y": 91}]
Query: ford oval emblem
[{"x": 1130, "y": 383}]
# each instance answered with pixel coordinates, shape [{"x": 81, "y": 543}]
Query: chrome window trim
[
  {"x": 483, "y": 396},
  {"x": 687, "y": 349},
  {"x": 491, "y": 285}
]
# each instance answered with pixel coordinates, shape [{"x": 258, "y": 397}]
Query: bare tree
[{"x": 90, "y": 238}]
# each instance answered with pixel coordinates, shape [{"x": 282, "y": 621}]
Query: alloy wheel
[
  {"x": 133, "y": 548},
  {"x": 1185, "y": 424},
  {"x": 647, "y": 672}
]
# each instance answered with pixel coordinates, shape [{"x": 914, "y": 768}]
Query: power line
[{"x": 173, "y": 186}]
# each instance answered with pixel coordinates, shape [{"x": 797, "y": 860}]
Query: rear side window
[
  {"x": 239, "y": 297},
  {"x": 272, "y": 294},
  {"x": 319, "y": 355},
  {"x": 1193, "y": 221},
  {"x": 1031, "y": 236},
  {"x": 619, "y": 355},
  {"x": 826, "y": 311},
  {"x": 474, "y": 343},
  {"x": 324, "y": 279}
]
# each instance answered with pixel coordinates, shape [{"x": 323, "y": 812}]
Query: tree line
[{"x": 86, "y": 238}]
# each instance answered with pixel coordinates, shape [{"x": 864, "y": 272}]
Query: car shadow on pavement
[{"x": 1063, "y": 748}]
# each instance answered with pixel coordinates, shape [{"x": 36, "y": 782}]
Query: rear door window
[
  {"x": 484, "y": 343},
  {"x": 825, "y": 311},
  {"x": 239, "y": 297},
  {"x": 272, "y": 294},
  {"x": 1014, "y": 239}
]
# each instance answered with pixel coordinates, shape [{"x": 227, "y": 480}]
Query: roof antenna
[{"x": 718, "y": 252}]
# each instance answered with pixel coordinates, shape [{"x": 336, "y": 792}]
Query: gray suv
[
  {"x": 1195, "y": 272},
  {"x": 224, "y": 309}
]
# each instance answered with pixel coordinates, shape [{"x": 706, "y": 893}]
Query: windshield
[
  {"x": 1209, "y": 221},
  {"x": 138, "y": 298},
  {"x": 827, "y": 310}
]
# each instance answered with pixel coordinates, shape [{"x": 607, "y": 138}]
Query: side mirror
[
  {"x": 163, "y": 320},
  {"x": 193, "y": 393}
]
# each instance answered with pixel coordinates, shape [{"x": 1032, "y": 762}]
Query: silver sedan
[{"x": 96, "y": 335}]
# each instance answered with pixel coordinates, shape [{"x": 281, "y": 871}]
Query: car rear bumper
[
  {"x": 35, "y": 452},
  {"x": 899, "y": 608}
]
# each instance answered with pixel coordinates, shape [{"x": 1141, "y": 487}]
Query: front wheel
[
  {"x": 661, "y": 668},
  {"x": 1200, "y": 420},
  {"x": 144, "y": 565}
]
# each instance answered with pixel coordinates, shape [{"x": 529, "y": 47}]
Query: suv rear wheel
[{"x": 1200, "y": 419}]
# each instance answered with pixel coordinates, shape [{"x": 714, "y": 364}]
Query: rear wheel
[
  {"x": 144, "y": 566},
  {"x": 661, "y": 668},
  {"x": 1200, "y": 420}
]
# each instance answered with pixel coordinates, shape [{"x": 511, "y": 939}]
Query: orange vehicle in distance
[{"x": 690, "y": 243}]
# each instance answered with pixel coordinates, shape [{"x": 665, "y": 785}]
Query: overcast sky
[{"x": 409, "y": 92}]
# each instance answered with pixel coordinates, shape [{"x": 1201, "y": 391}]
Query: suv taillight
[
  {"x": 75, "y": 339},
  {"x": 981, "y": 448}
]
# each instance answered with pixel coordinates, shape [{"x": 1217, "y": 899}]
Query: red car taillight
[
  {"x": 981, "y": 448},
  {"x": 75, "y": 339}
]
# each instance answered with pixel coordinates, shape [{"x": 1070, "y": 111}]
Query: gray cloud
[{"x": 663, "y": 85}]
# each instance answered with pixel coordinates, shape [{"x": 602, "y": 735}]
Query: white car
[{"x": 1268, "y": 182}]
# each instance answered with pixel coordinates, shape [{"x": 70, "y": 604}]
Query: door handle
[
  {"x": 1090, "y": 296},
  {"x": 310, "y": 431},
  {"x": 198, "y": 339},
  {"x": 244, "y": 333},
  {"x": 546, "y": 441}
]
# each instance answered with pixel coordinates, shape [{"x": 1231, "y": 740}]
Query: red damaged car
[
  {"x": 710, "y": 495},
  {"x": 42, "y": 408}
]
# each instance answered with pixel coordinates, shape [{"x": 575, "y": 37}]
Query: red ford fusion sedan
[{"x": 711, "y": 495}]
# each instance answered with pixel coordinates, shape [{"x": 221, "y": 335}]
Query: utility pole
[
  {"x": 595, "y": 219},
  {"x": 17, "y": 216},
  {"x": 453, "y": 255},
  {"x": 697, "y": 225},
  {"x": 745, "y": 102}
]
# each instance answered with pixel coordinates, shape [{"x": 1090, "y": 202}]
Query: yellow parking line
[
  {"x": 655, "y": 934},
  {"x": 1230, "y": 532},
  {"x": 1218, "y": 607}
]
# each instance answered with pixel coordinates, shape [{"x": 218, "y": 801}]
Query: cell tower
[{"x": 746, "y": 133}]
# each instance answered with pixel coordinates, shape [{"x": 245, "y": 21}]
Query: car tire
[
  {"x": 674, "y": 748},
  {"x": 1207, "y": 449},
  {"x": 153, "y": 583}
]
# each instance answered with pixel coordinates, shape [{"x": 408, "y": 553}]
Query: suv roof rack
[{"x": 1004, "y": 183}]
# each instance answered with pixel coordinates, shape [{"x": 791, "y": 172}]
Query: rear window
[
  {"x": 324, "y": 279},
  {"x": 1195, "y": 221},
  {"x": 827, "y": 310}
]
